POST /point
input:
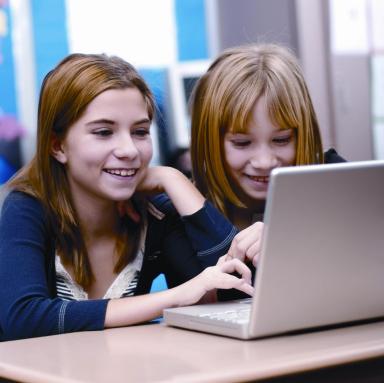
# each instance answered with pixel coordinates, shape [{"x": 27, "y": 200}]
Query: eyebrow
[
  {"x": 111, "y": 122},
  {"x": 142, "y": 121},
  {"x": 100, "y": 121}
]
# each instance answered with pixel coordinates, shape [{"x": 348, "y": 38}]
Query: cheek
[
  {"x": 146, "y": 150},
  {"x": 234, "y": 158},
  {"x": 286, "y": 154},
  {"x": 289, "y": 154}
]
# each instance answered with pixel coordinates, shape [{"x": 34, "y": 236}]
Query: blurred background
[{"x": 340, "y": 44}]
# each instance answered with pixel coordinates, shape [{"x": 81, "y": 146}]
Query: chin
[
  {"x": 254, "y": 193},
  {"x": 255, "y": 198},
  {"x": 122, "y": 196}
]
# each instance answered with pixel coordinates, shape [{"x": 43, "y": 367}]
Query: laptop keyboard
[{"x": 239, "y": 316}]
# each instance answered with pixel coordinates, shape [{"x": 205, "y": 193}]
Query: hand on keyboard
[
  {"x": 246, "y": 245},
  {"x": 218, "y": 277}
]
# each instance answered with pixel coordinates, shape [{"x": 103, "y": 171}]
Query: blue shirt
[{"x": 29, "y": 306}]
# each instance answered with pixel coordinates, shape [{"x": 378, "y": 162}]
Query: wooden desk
[{"x": 156, "y": 353}]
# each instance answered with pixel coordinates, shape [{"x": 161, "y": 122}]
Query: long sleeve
[
  {"x": 27, "y": 308},
  {"x": 207, "y": 231},
  {"x": 210, "y": 233}
]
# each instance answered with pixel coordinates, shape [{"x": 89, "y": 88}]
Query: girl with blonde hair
[{"x": 251, "y": 112}]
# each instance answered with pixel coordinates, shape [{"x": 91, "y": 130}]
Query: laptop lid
[{"x": 322, "y": 259}]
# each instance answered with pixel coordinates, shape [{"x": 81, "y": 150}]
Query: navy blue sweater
[{"x": 29, "y": 306}]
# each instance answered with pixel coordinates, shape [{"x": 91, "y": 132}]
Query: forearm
[
  {"x": 132, "y": 310},
  {"x": 143, "y": 308},
  {"x": 183, "y": 194}
]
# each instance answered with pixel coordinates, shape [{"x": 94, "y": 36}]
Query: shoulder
[
  {"x": 21, "y": 210},
  {"x": 18, "y": 201},
  {"x": 332, "y": 157}
]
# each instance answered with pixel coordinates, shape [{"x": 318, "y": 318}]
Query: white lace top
[{"x": 124, "y": 285}]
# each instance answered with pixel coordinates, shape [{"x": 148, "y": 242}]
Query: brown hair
[
  {"x": 66, "y": 91},
  {"x": 223, "y": 100}
]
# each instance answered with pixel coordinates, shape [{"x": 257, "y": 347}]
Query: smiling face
[
  {"x": 250, "y": 157},
  {"x": 107, "y": 150}
]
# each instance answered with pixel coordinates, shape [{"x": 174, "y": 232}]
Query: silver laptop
[{"x": 322, "y": 259}]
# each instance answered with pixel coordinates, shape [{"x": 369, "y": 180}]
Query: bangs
[
  {"x": 283, "y": 105},
  {"x": 239, "y": 109}
]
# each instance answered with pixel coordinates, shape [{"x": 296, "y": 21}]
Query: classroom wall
[
  {"x": 172, "y": 32},
  {"x": 153, "y": 35},
  {"x": 338, "y": 42}
]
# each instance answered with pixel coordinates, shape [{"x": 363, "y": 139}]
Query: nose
[
  {"x": 264, "y": 158},
  {"x": 125, "y": 147}
]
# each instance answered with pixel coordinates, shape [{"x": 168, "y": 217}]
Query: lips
[
  {"x": 262, "y": 179},
  {"x": 121, "y": 172}
]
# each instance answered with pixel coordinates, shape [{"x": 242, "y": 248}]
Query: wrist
[
  {"x": 190, "y": 292},
  {"x": 168, "y": 176}
]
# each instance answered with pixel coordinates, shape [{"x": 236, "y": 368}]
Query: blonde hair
[
  {"x": 66, "y": 91},
  {"x": 223, "y": 100}
]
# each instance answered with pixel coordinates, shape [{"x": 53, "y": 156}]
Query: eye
[
  {"x": 238, "y": 140},
  {"x": 240, "y": 143},
  {"x": 141, "y": 132},
  {"x": 103, "y": 132},
  {"x": 283, "y": 139}
]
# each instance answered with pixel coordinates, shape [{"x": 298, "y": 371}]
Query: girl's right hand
[
  {"x": 183, "y": 194},
  {"x": 218, "y": 277},
  {"x": 246, "y": 245}
]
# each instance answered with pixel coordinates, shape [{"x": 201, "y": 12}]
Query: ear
[{"x": 57, "y": 150}]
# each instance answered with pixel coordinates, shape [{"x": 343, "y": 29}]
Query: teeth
[
  {"x": 121, "y": 172},
  {"x": 264, "y": 179}
]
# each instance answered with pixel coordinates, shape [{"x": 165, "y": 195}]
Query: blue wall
[
  {"x": 7, "y": 75},
  {"x": 191, "y": 30},
  {"x": 49, "y": 35},
  {"x": 50, "y": 43}
]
